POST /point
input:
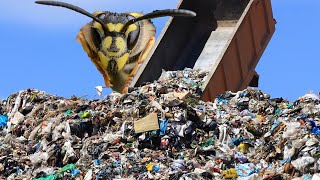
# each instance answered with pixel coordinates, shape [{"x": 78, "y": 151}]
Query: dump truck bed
[{"x": 227, "y": 39}]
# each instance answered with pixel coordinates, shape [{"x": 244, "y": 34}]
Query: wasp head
[
  {"x": 116, "y": 34},
  {"x": 116, "y": 41}
]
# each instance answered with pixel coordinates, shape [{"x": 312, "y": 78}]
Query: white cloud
[{"x": 27, "y": 12}]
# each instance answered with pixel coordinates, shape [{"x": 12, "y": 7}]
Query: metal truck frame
[{"x": 227, "y": 39}]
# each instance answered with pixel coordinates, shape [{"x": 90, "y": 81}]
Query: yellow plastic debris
[
  {"x": 149, "y": 167},
  {"x": 243, "y": 147},
  {"x": 230, "y": 173}
]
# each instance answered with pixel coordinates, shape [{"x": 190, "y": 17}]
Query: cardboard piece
[
  {"x": 182, "y": 96},
  {"x": 147, "y": 123}
]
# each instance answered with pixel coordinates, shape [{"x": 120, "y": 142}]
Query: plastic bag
[
  {"x": 3, "y": 120},
  {"x": 246, "y": 169}
]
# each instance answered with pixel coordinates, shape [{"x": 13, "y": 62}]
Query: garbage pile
[{"x": 161, "y": 130}]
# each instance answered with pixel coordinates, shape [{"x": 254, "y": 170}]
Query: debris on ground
[{"x": 161, "y": 130}]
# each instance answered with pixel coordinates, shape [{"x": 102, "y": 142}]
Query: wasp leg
[
  {"x": 141, "y": 59},
  {"x": 126, "y": 86}
]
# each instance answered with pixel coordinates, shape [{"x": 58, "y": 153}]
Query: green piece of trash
[
  {"x": 289, "y": 106},
  {"x": 85, "y": 115},
  {"x": 67, "y": 167},
  {"x": 207, "y": 143},
  {"x": 69, "y": 111},
  {"x": 49, "y": 177}
]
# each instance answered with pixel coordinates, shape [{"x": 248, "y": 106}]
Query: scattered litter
[{"x": 161, "y": 130}]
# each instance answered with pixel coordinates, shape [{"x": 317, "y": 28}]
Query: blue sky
[{"x": 38, "y": 47}]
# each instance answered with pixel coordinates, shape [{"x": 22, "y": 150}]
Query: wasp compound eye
[{"x": 133, "y": 37}]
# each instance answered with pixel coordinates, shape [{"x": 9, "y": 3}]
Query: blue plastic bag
[
  {"x": 315, "y": 129},
  {"x": 163, "y": 126},
  {"x": 75, "y": 172},
  {"x": 3, "y": 120},
  {"x": 97, "y": 162},
  {"x": 237, "y": 141},
  {"x": 246, "y": 169}
]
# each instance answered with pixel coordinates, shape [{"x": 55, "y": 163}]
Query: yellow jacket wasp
[{"x": 117, "y": 43}]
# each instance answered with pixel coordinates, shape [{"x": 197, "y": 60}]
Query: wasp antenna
[
  {"x": 74, "y": 8},
  {"x": 161, "y": 13}
]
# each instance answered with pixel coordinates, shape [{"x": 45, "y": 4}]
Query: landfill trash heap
[{"x": 161, "y": 130}]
